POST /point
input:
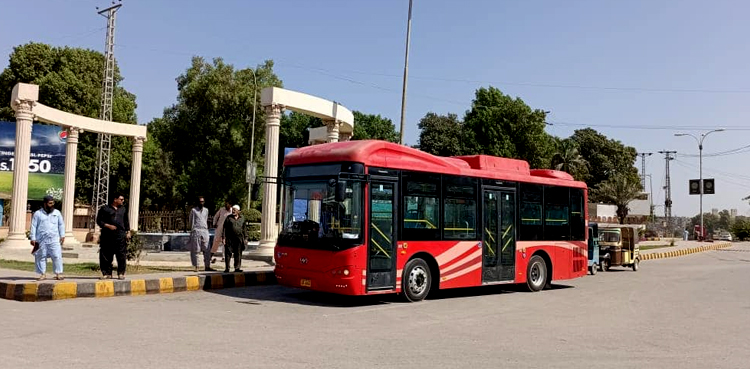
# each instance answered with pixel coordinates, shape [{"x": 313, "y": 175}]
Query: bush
[
  {"x": 251, "y": 215},
  {"x": 135, "y": 247},
  {"x": 253, "y": 232}
]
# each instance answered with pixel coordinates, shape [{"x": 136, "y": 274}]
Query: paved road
[{"x": 686, "y": 312}]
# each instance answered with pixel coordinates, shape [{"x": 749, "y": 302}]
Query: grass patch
[
  {"x": 88, "y": 269},
  {"x": 653, "y": 247}
]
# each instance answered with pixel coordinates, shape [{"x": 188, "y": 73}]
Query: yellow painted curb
[
  {"x": 166, "y": 285},
  {"x": 29, "y": 292},
  {"x": 104, "y": 289},
  {"x": 65, "y": 290},
  {"x": 137, "y": 287},
  {"x": 192, "y": 283},
  {"x": 217, "y": 281},
  {"x": 239, "y": 280}
]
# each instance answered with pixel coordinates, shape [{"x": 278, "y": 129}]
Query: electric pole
[
  {"x": 668, "y": 193},
  {"x": 643, "y": 156},
  {"x": 101, "y": 176},
  {"x": 406, "y": 76}
]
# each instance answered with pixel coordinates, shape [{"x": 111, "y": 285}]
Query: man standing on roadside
[
  {"x": 199, "y": 235},
  {"x": 219, "y": 219},
  {"x": 115, "y": 228},
  {"x": 234, "y": 239},
  {"x": 47, "y": 236}
]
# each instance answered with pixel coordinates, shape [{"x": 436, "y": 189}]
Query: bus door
[
  {"x": 381, "y": 245},
  {"x": 499, "y": 235}
]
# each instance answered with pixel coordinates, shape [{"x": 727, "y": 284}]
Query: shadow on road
[{"x": 256, "y": 295}]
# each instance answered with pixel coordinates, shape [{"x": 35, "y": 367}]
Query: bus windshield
[{"x": 312, "y": 218}]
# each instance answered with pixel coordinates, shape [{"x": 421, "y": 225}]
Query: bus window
[
  {"x": 531, "y": 212},
  {"x": 556, "y": 210},
  {"x": 577, "y": 223},
  {"x": 459, "y": 218},
  {"x": 421, "y": 207}
]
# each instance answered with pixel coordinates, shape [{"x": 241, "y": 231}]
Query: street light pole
[
  {"x": 700, "y": 168},
  {"x": 252, "y": 141},
  {"x": 406, "y": 75}
]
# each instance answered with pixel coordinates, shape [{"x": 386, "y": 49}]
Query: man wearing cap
[
  {"x": 234, "y": 237},
  {"x": 199, "y": 235},
  {"x": 47, "y": 236}
]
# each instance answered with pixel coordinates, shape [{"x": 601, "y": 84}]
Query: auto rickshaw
[
  {"x": 618, "y": 247},
  {"x": 594, "y": 264}
]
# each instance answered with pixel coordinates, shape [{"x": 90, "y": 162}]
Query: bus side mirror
[{"x": 340, "y": 191}]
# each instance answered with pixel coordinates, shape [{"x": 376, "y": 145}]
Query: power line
[
  {"x": 544, "y": 85},
  {"x": 652, "y": 127},
  {"x": 738, "y": 150},
  {"x": 725, "y": 175}
]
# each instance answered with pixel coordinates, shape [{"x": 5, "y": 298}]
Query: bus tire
[
  {"x": 536, "y": 274},
  {"x": 417, "y": 280}
]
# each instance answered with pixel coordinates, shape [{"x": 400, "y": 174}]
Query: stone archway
[
  {"x": 339, "y": 124},
  {"x": 24, "y": 101}
]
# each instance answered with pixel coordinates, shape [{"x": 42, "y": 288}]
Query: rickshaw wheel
[
  {"x": 635, "y": 264},
  {"x": 593, "y": 269},
  {"x": 605, "y": 265}
]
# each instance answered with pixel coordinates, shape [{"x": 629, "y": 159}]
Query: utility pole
[
  {"x": 406, "y": 76},
  {"x": 643, "y": 156},
  {"x": 668, "y": 193},
  {"x": 101, "y": 176}
]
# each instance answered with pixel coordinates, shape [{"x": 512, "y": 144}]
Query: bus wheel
[
  {"x": 417, "y": 280},
  {"x": 536, "y": 274},
  {"x": 593, "y": 269},
  {"x": 635, "y": 264}
]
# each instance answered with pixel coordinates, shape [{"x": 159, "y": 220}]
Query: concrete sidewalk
[{"x": 22, "y": 285}]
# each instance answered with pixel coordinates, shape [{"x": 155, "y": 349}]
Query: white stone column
[
  {"x": 71, "y": 152},
  {"x": 22, "y": 102},
  {"x": 135, "y": 182},
  {"x": 268, "y": 229},
  {"x": 333, "y": 130}
]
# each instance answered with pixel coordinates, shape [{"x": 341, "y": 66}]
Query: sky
[{"x": 638, "y": 71}]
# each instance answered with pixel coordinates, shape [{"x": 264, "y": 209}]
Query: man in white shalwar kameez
[{"x": 219, "y": 219}]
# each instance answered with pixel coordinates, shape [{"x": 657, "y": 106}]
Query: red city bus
[{"x": 370, "y": 217}]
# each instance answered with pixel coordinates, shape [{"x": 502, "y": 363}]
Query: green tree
[
  {"x": 606, "y": 157},
  {"x": 619, "y": 190},
  {"x": 741, "y": 228},
  {"x": 725, "y": 220},
  {"x": 568, "y": 159},
  {"x": 207, "y": 132},
  {"x": 441, "y": 134},
  {"x": 70, "y": 79},
  {"x": 710, "y": 221},
  {"x": 502, "y": 126},
  {"x": 373, "y": 127}
]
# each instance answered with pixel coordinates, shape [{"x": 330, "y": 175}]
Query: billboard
[{"x": 46, "y": 164}]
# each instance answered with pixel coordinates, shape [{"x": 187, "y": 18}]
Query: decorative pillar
[
  {"x": 71, "y": 152},
  {"x": 333, "y": 130},
  {"x": 23, "y": 99},
  {"x": 135, "y": 182},
  {"x": 268, "y": 230}
]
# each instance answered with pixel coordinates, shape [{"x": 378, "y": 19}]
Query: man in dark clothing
[
  {"x": 115, "y": 234},
  {"x": 233, "y": 236}
]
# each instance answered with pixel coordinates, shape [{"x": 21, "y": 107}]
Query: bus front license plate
[{"x": 305, "y": 283}]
